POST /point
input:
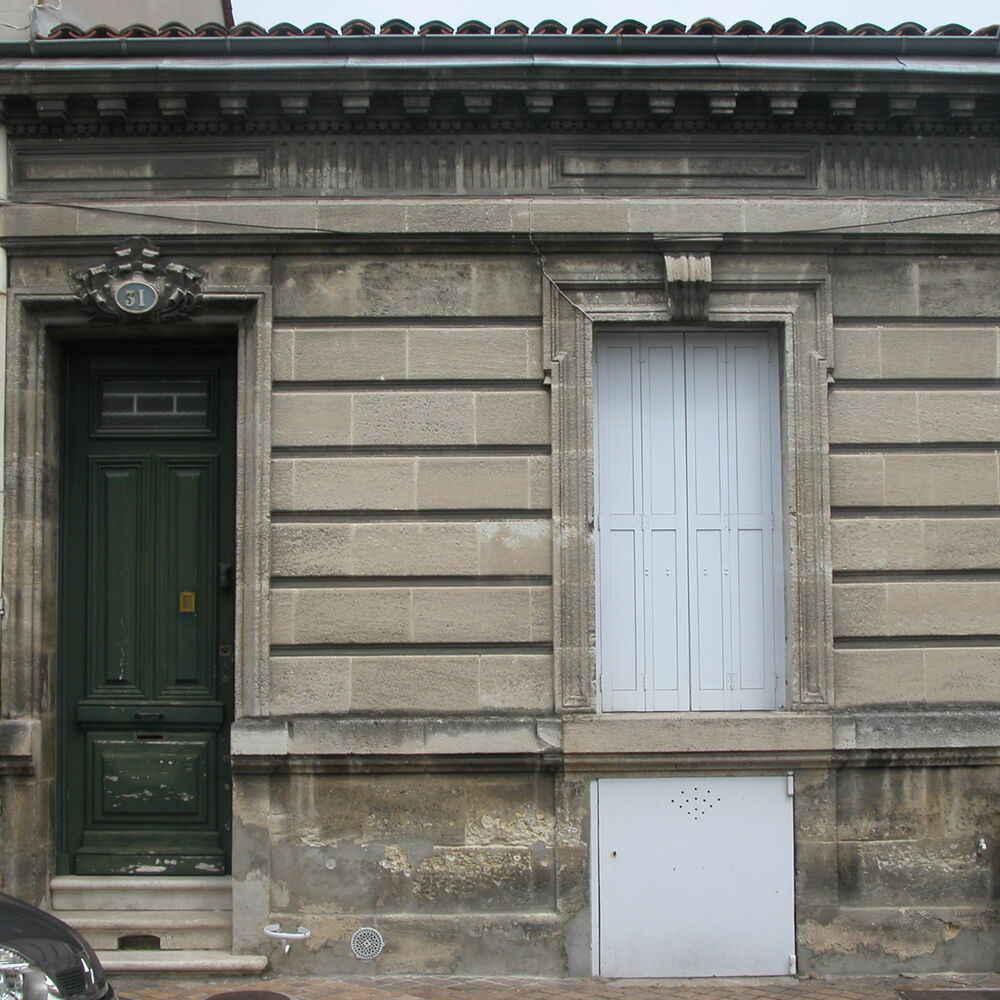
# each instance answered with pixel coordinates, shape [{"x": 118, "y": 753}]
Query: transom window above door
[{"x": 690, "y": 612}]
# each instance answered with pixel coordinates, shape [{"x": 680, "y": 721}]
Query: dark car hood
[{"x": 43, "y": 939}]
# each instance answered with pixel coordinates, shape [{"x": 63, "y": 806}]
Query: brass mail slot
[{"x": 185, "y": 602}]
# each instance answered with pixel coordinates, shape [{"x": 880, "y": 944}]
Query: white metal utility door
[{"x": 695, "y": 876}]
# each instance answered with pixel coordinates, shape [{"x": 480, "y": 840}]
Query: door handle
[
  {"x": 225, "y": 576},
  {"x": 149, "y": 716}
]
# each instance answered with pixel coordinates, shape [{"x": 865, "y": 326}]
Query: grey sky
[{"x": 972, "y": 13}]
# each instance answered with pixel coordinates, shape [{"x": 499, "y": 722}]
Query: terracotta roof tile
[
  {"x": 746, "y": 28},
  {"x": 950, "y": 29},
  {"x": 210, "y": 30},
  {"x": 358, "y": 27},
  {"x": 174, "y": 29},
  {"x": 247, "y": 29},
  {"x": 436, "y": 28},
  {"x": 626, "y": 27},
  {"x": 320, "y": 30},
  {"x": 707, "y": 26},
  {"x": 587, "y": 26},
  {"x": 787, "y": 26},
  {"x": 397, "y": 26},
  {"x": 511, "y": 28},
  {"x": 668, "y": 28}
]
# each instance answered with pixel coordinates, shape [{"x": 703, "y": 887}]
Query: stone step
[
  {"x": 209, "y": 963},
  {"x": 141, "y": 892},
  {"x": 176, "y": 930}
]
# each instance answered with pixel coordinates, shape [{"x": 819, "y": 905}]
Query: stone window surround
[{"x": 787, "y": 294}]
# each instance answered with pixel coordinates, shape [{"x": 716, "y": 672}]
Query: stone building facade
[{"x": 382, "y": 266}]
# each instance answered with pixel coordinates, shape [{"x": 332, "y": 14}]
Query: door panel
[
  {"x": 116, "y": 498},
  {"x": 184, "y": 649},
  {"x": 146, "y": 610}
]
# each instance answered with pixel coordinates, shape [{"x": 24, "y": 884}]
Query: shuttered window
[{"x": 690, "y": 611}]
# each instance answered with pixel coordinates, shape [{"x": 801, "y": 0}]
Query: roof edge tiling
[{"x": 588, "y": 26}]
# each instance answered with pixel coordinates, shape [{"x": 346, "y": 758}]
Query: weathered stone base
[
  {"x": 860, "y": 940},
  {"x": 440, "y": 944},
  {"x": 896, "y": 869},
  {"x": 460, "y": 872}
]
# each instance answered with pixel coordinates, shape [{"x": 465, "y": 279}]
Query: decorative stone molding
[
  {"x": 138, "y": 286},
  {"x": 786, "y": 105},
  {"x": 504, "y": 166},
  {"x": 688, "y": 281},
  {"x": 42, "y": 319},
  {"x": 581, "y": 293}
]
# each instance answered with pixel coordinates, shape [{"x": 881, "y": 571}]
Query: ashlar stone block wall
[
  {"x": 897, "y": 848},
  {"x": 411, "y": 576},
  {"x": 915, "y": 480},
  {"x": 411, "y": 488}
]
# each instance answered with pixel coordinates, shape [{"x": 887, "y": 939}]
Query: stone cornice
[{"x": 400, "y": 96}]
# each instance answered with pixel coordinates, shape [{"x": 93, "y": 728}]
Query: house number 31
[{"x": 136, "y": 296}]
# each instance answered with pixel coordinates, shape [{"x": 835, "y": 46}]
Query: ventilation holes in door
[{"x": 696, "y": 802}]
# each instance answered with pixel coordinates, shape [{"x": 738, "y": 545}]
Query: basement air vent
[
  {"x": 367, "y": 943},
  {"x": 139, "y": 942}
]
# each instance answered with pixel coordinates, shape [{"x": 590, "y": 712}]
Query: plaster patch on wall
[
  {"x": 524, "y": 826},
  {"x": 910, "y": 935},
  {"x": 395, "y": 860}
]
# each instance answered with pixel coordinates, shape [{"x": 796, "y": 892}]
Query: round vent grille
[{"x": 367, "y": 943}]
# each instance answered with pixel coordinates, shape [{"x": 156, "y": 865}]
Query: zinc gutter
[
  {"x": 844, "y": 46},
  {"x": 203, "y": 64},
  {"x": 181, "y": 66}
]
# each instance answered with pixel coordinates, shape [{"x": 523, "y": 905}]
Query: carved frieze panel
[
  {"x": 509, "y": 164},
  {"x": 757, "y": 164},
  {"x": 104, "y": 169}
]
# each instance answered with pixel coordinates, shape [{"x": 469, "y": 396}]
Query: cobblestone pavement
[{"x": 136, "y": 987}]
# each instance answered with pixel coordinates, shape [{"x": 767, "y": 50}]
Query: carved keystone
[
  {"x": 138, "y": 285},
  {"x": 689, "y": 281}
]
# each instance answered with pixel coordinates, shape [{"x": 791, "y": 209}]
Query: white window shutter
[
  {"x": 708, "y": 539},
  {"x": 755, "y": 521},
  {"x": 621, "y": 623},
  {"x": 690, "y": 610},
  {"x": 665, "y": 511}
]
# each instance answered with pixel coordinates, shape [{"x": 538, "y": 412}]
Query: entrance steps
[
  {"x": 208, "y": 963},
  {"x": 151, "y": 923}
]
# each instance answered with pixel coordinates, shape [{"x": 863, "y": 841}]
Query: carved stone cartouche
[{"x": 137, "y": 285}]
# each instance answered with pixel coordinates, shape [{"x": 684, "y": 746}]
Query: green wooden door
[{"x": 146, "y": 617}]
